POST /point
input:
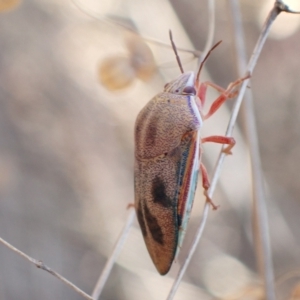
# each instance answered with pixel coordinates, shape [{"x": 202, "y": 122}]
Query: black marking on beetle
[
  {"x": 153, "y": 226},
  {"x": 141, "y": 221},
  {"x": 179, "y": 220},
  {"x": 159, "y": 194}
]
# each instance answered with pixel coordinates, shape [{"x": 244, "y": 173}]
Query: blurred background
[{"x": 66, "y": 146}]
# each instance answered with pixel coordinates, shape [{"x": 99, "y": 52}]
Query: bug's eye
[{"x": 190, "y": 90}]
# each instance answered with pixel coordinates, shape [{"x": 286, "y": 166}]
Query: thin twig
[
  {"x": 39, "y": 264},
  {"x": 113, "y": 256},
  {"x": 263, "y": 248},
  {"x": 278, "y": 8},
  {"x": 190, "y": 252}
]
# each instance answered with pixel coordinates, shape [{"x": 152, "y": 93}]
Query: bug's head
[{"x": 184, "y": 84}]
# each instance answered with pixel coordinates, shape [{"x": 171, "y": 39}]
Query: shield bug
[{"x": 168, "y": 160}]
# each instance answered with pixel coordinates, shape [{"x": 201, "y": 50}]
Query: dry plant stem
[
  {"x": 39, "y": 264},
  {"x": 278, "y": 8},
  {"x": 190, "y": 253},
  {"x": 262, "y": 239},
  {"x": 113, "y": 256}
]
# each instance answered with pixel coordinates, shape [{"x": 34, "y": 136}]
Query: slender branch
[
  {"x": 283, "y": 7},
  {"x": 263, "y": 248},
  {"x": 190, "y": 253},
  {"x": 113, "y": 257},
  {"x": 276, "y": 10},
  {"x": 39, "y": 264}
]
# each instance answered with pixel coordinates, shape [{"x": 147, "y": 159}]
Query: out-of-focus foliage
[
  {"x": 66, "y": 152},
  {"x": 117, "y": 72},
  {"x": 6, "y": 5}
]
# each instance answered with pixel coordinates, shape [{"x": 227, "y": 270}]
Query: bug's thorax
[
  {"x": 166, "y": 118},
  {"x": 185, "y": 85}
]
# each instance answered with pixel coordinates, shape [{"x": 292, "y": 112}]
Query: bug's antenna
[
  {"x": 205, "y": 58},
  {"x": 175, "y": 51}
]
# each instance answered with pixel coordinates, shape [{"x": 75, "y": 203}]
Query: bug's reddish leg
[
  {"x": 203, "y": 88},
  {"x": 204, "y": 85},
  {"x": 226, "y": 94},
  {"x": 225, "y": 140},
  {"x": 202, "y": 93},
  {"x": 206, "y": 185}
]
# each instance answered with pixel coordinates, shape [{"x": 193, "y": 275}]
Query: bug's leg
[
  {"x": 203, "y": 89},
  {"x": 202, "y": 92},
  {"x": 225, "y": 94},
  {"x": 206, "y": 185},
  {"x": 220, "y": 139}
]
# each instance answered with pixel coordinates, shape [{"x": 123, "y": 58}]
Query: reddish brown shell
[{"x": 165, "y": 136}]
